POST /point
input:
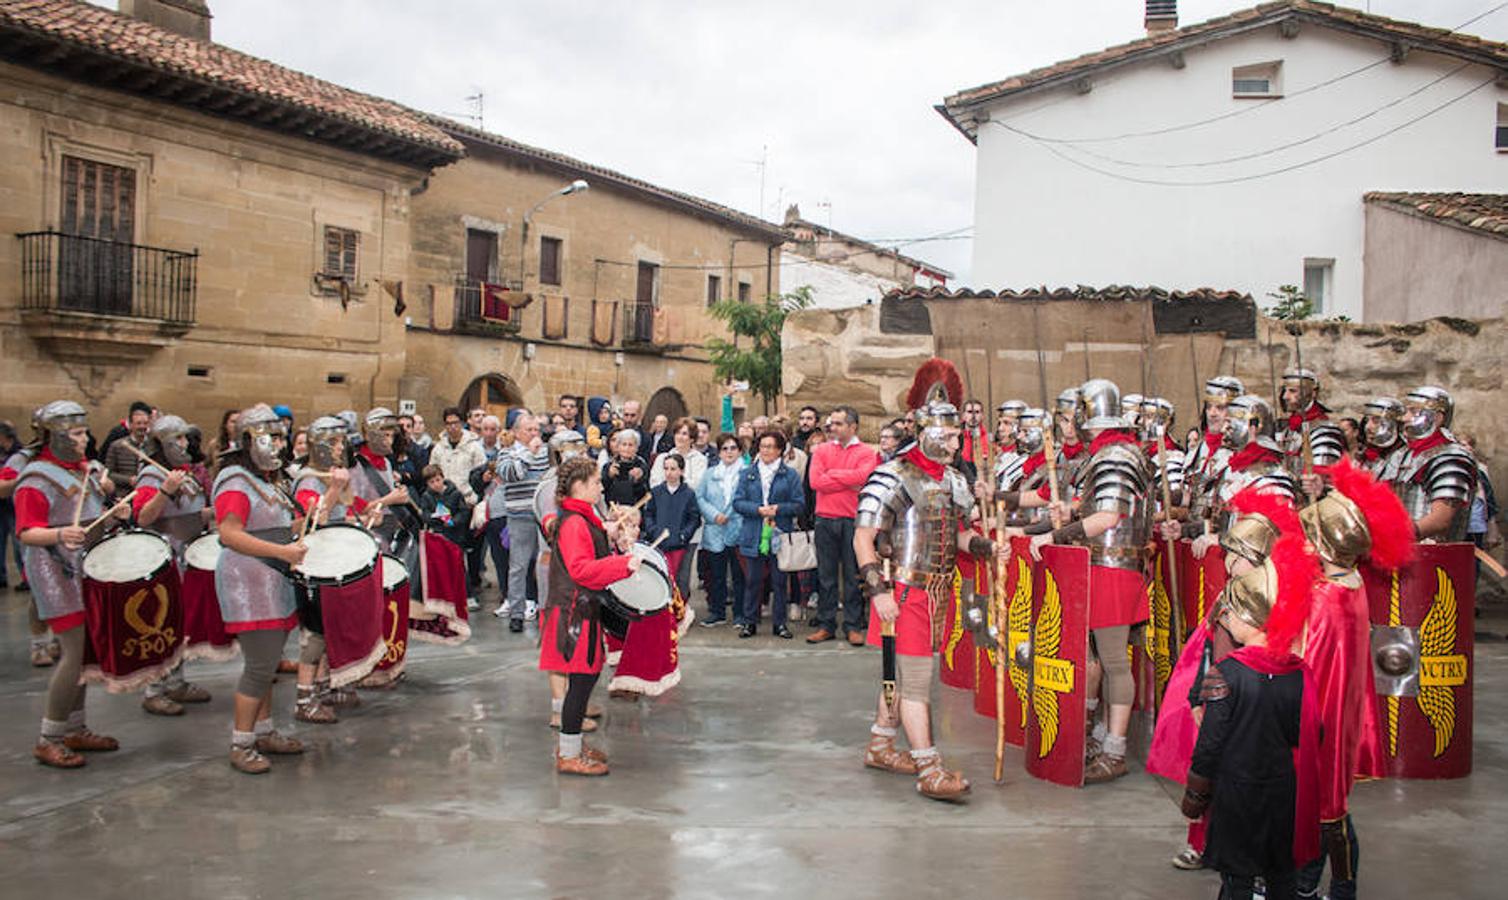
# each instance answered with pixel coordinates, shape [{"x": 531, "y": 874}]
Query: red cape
[{"x": 1337, "y": 653}]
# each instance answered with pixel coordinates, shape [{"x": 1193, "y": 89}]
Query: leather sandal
[
  {"x": 188, "y": 692},
  {"x": 881, "y": 754},
  {"x": 161, "y": 705},
  {"x": 84, "y": 739},
  {"x": 55, "y": 754},
  {"x": 314, "y": 712},
  {"x": 580, "y": 765},
  {"x": 594, "y": 711},
  {"x": 41, "y": 657},
  {"x": 1103, "y": 768},
  {"x": 248, "y": 760},
  {"x": 341, "y": 698},
  {"x": 278, "y": 745},
  {"x": 933, "y": 781}
]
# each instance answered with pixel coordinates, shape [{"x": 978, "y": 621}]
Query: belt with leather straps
[{"x": 916, "y": 577}]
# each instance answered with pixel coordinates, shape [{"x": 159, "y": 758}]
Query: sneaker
[
  {"x": 248, "y": 760},
  {"x": 40, "y": 657},
  {"x": 1188, "y": 859},
  {"x": 161, "y": 705},
  {"x": 580, "y": 765},
  {"x": 516, "y": 625},
  {"x": 188, "y": 692},
  {"x": 746, "y": 631},
  {"x": 531, "y": 610},
  {"x": 713, "y": 623},
  {"x": 472, "y": 605},
  {"x": 783, "y": 632},
  {"x": 502, "y": 610}
]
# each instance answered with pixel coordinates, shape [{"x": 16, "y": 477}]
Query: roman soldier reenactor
[
  {"x": 1114, "y": 521},
  {"x": 1438, "y": 478},
  {"x": 1255, "y": 460},
  {"x": 1157, "y": 418},
  {"x": 374, "y": 482},
  {"x": 1031, "y": 476},
  {"x": 1308, "y": 437},
  {"x": 1009, "y": 459},
  {"x": 1205, "y": 460},
  {"x": 1384, "y": 449},
  {"x": 45, "y": 648},
  {"x": 918, "y": 508}
]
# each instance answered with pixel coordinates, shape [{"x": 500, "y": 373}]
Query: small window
[
  {"x": 745, "y": 292},
  {"x": 549, "y": 260},
  {"x": 1318, "y": 274},
  {"x": 199, "y": 371},
  {"x": 714, "y": 289},
  {"x": 1502, "y": 132},
  {"x": 335, "y": 378},
  {"x": 341, "y": 246},
  {"x": 1261, "y": 80}
]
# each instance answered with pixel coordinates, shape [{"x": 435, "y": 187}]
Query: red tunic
[
  {"x": 585, "y": 570},
  {"x": 1337, "y": 653}
]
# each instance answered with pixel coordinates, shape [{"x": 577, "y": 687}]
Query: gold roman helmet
[
  {"x": 1250, "y": 597},
  {"x": 1250, "y": 537},
  {"x": 1337, "y": 528},
  {"x": 1306, "y": 389}
]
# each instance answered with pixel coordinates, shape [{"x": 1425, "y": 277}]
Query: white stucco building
[{"x": 1235, "y": 152}]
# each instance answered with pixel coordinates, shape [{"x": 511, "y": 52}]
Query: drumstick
[
  {"x": 663, "y": 535},
  {"x": 188, "y": 483},
  {"x": 107, "y": 514}
]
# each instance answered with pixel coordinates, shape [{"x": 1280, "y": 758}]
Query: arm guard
[
  {"x": 1071, "y": 533},
  {"x": 872, "y": 580},
  {"x": 981, "y": 547},
  {"x": 1197, "y": 792}
]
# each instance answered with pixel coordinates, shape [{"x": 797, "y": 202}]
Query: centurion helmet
[
  {"x": 1100, "y": 405},
  {"x": 379, "y": 427},
  {"x": 327, "y": 443},
  {"x": 1030, "y": 429},
  {"x": 1419, "y": 406},
  {"x": 1248, "y": 418},
  {"x": 1381, "y": 421},
  {"x": 171, "y": 434},
  {"x": 1306, "y": 388},
  {"x": 55, "y": 420},
  {"x": 262, "y": 434},
  {"x": 934, "y": 398}
]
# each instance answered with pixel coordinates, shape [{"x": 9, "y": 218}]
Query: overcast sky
[{"x": 689, "y": 94}]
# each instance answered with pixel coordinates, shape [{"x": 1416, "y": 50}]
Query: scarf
[
  {"x": 1314, "y": 412},
  {"x": 933, "y": 468},
  {"x": 1033, "y": 463},
  {"x": 1108, "y": 437},
  {"x": 1429, "y": 442},
  {"x": 1072, "y": 451},
  {"x": 1250, "y": 455}
]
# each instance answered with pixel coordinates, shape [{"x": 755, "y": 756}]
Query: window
[
  {"x": 1502, "y": 132},
  {"x": 341, "y": 246},
  {"x": 1257, "y": 81},
  {"x": 714, "y": 289},
  {"x": 648, "y": 286},
  {"x": 1318, "y": 274},
  {"x": 745, "y": 292},
  {"x": 549, "y": 260},
  {"x": 99, "y": 202},
  {"x": 481, "y": 256}
]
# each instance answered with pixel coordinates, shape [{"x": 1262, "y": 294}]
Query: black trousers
[{"x": 838, "y": 577}]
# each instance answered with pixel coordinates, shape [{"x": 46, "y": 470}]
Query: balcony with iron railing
[
  {"x": 639, "y": 324},
  {"x": 482, "y": 309},
  {"x": 105, "y": 299}
]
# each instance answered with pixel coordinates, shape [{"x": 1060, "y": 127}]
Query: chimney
[
  {"x": 189, "y": 18},
  {"x": 1162, "y": 15}
]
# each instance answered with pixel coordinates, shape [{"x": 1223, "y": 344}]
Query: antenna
[
  {"x": 476, "y": 116},
  {"x": 762, "y": 163}
]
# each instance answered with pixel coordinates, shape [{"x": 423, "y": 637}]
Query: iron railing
[
  {"x": 74, "y": 273},
  {"x": 638, "y": 322},
  {"x": 476, "y": 313}
]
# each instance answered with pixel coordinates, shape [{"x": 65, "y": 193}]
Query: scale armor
[
  {"x": 1326, "y": 441},
  {"x": 1117, "y": 480},
  {"x": 1175, "y": 459},
  {"x": 1443, "y": 472}
]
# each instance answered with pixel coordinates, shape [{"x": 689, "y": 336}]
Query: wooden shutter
[{"x": 549, "y": 260}]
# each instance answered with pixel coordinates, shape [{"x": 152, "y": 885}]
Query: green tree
[
  {"x": 758, "y": 359},
  {"x": 1291, "y": 305}
]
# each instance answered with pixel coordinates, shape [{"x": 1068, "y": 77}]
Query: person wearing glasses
[{"x": 721, "y": 525}]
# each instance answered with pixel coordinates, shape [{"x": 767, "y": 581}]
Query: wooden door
[{"x": 98, "y": 220}]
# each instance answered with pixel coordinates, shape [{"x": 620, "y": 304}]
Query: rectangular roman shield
[
  {"x": 957, "y": 669},
  {"x": 1016, "y": 632},
  {"x": 1200, "y": 582},
  {"x": 1160, "y": 638},
  {"x": 1054, "y": 747},
  {"x": 1422, "y": 657}
]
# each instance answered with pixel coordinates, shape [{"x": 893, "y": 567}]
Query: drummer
[
  {"x": 55, "y": 492},
  {"x": 45, "y": 648},
  {"x": 169, "y": 502},
  {"x": 375, "y": 481},
  {"x": 582, "y": 564},
  {"x": 321, "y": 488},
  {"x": 256, "y": 596}
]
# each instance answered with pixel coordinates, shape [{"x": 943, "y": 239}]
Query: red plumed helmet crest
[
  {"x": 1298, "y": 571},
  {"x": 1391, "y": 528},
  {"x": 937, "y": 379}
]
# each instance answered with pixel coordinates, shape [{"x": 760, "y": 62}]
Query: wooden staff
[
  {"x": 109, "y": 513},
  {"x": 1002, "y": 644},
  {"x": 189, "y": 486},
  {"x": 1167, "y": 512},
  {"x": 887, "y": 657}
]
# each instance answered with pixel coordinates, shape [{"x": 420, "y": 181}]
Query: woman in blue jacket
[
  {"x": 720, "y": 529},
  {"x": 769, "y": 499}
]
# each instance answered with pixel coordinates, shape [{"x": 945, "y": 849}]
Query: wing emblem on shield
[
  {"x": 1018, "y": 631},
  {"x": 1051, "y": 674},
  {"x": 1441, "y": 669},
  {"x": 1157, "y": 631},
  {"x": 956, "y": 633}
]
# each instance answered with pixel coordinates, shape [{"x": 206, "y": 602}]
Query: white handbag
[{"x": 797, "y": 551}]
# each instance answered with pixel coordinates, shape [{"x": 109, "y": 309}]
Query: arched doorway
[
  {"x": 493, "y": 392},
  {"x": 666, "y": 401}
]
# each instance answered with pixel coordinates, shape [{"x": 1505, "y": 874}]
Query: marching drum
[
  {"x": 203, "y": 626},
  {"x": 132, "y": 612},
  {"x": 395, "y": 611},
  {"x": 645, "y": 591},
  {"x": 340, "y": 597}
]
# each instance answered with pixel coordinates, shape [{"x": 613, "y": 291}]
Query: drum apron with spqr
[{"x": 131, "y": 611}]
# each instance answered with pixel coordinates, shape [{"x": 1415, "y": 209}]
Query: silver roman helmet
[
  {"x": 1131, "y": 409},
  {"x": 1011, "y": 410},
  {"x": 1222, "y": 389},
  {"x": 379, "y": 428},
  {"x": 171, "y": 434},
  {"x": 1157, "y": 415},
  {"x": 1420, "y": 406},
  {"x": 937, "y": 426},
  {"x": 1249, "y": 418},
  {"x": 262, "y": 435},
  {"x": 1029, "y": 430},
  {"x": 1381, "y": 421},
  {"x": 1100, "y": 405},
  {"x": 327, "y": 443},
  {"x": 1305, "y": 389},
  {"x": 1067, "y": 403},
  {"x": 56, "y": 420}
]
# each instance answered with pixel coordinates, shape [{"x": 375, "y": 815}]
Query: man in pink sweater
[{"x": 837, "y": 470}]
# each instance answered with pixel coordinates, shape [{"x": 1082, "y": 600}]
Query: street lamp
[{"x": 523, "y": 235}]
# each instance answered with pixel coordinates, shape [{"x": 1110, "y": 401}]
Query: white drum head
[
  {"x": 394, "y": 573},
  {"x": 203, "y": 552},
  {"x": 336, "y": 552},
  {"x": 648, "y": 589},
  {"x": 127, "y": 556}
]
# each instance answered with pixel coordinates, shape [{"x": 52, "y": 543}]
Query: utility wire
[{"x": 1279, "y": 171}]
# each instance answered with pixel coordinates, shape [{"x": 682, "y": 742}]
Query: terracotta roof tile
[
  {"x": 1440, "y": 40},
  {"x": 1487, "y": 213},
  {"x": 81, "y": 26},
  {"x": 1109, "y": 293}
]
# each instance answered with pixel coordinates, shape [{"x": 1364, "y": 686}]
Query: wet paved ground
[{"x": 745, "y": 781}]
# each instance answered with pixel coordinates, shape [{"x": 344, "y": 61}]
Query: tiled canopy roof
[
  {"x": 1114, "y": 292},
  {"x": 958, "y": 108},
  {"x": 1487, "y": 213},
  {"x": 79, "y": 40}
]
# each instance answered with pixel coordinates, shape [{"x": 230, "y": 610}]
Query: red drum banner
[
  {"x": 202, "y": 624},
  {"x": 135, "y": 630},
  {"x": 395, "y": 606},
  {"x": 1422, "y": 658},
  {"x": 352, "y": 619},
  {"x": 443, "y": 620},
  {"x": 1054, "y": 746}
]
